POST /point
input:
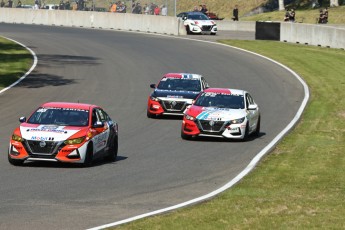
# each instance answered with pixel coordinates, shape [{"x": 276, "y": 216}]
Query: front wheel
[
  {"x": 213, "y": 33},
  {"x": 257, "y": 131},
  {"x": 185, "y": 136},
  {"x": 150, "y": 115},
  {"x": 15, "y": 162},
  {"x": 188, "y": 30},
  {"x": 88, "y": 156}
]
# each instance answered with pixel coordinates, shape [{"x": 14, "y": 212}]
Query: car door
[
  {"x": 252, "y": 114},
  {"x": 101, "y": 134}
]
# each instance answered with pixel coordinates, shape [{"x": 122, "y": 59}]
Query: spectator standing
[
  {"x": 10, "y": 3},
  {"x": 67, "y": 5},
  {"x": 137, "y": 8},
  {"x": 2, "y": 4},
  {"x": 61, "y": 5},
  {"x": 292, "y": 15},
  {"x": 146, "y": 9},
  {"x": 325, "y": 12},
  {"x": 196, "y": 9},
  {"x": 113, "y": 8},
  {"x": 164, "y": 10},
  {"x": 235, "y": 13},
  {"x": 286, "y": 17},
  {"x": 156, "y": 11},
  {"x": 19, "y": 4},
  {"x": 204, "y": 9}
]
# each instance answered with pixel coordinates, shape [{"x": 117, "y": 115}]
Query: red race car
[{"x": 64, "y": 132}]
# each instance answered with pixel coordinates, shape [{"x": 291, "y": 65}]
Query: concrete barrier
[
  {"x": 317, "y": 35},
  {"x": 235, "y": 25},
  {"x": 88, "y": 19}
]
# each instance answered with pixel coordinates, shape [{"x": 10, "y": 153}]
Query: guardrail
[{"x": 90, "y": 19}]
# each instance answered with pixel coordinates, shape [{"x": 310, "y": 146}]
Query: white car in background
[{"x": 198, "y": 23}]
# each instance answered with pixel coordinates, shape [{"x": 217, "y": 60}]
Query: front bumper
[
  {"x": 167, "y": 106},
  {"x": 209, "y": 29},
  {"x": 56, "y": 151},
  {"x": 224, "y": 130}
]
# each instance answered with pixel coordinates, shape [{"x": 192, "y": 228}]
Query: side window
[
  {"x": 101, "y": 115},
  {"x": 95, "y": 116}
]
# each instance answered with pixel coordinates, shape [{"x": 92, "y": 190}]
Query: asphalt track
[{"x": 155, "y": 167}]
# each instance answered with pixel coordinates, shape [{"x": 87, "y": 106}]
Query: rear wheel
[
  {"x": 15, "y": 161},
  {"x": 113, "y": 149},
  {"x": 88, "y": 156},
  {"x": 213, "y": 33}
]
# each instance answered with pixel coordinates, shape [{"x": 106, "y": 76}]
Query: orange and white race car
[{"x": 64, "y": 132}]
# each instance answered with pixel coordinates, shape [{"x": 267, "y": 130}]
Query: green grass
[
  {"x": 301, "y": 184},
  {"x": 14, "y": 62}
]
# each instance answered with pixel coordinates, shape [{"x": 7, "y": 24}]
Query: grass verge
[
  {"x": 301, "y": 184},
  {"x": 15, "y": 60}
]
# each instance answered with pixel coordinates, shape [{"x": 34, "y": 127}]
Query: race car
[
  {"x": 64, "y": 132},
  {"x": 173, "y": 93},
  {"x": 198, "y": 23},
  {"x": 223, "y": 113}
]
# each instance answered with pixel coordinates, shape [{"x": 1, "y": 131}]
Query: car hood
[
  {"x": 38, "y": 132},
  {"x": 204, "y": 22},
  {"x": 175, "y": 94},
  {"x": 212, "y": 113}
]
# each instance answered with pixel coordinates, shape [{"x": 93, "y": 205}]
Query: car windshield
[
  {"x": 220, "y": 101},
  {"x": 179, "y": 84},
  {"x": 60, "y": 116},
  {"x": 197, "y": 17}
]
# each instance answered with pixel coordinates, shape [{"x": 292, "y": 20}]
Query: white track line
[
  {"x": 249, "y": 167},
  {"x": 27, "y": 73}
]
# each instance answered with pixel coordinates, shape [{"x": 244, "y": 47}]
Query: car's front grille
[
  {"x": 174, "y": 106},
  {"x": 206, "y": 28},
  {"x": 41, "y": 147},
  {"x": 211, "y": 126}
]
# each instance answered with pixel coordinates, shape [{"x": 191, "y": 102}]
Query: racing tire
[
  {"x": 15, "y": 162},
  {"x": 185, "y": 136},
  {"x": 88, "y": 156},
  {"x": 188, "y": 30},
  {"x": 213, "y": 34},
  {"x": 257, "y": 131},
  {"x": 113, "y": 149},
  {"x": 150, "y": 115},
  {"x": 246, "y": 133}
]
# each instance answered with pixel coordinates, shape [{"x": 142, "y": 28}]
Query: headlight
[
  {"x": 188, "y": 117},
  {"x": 74, "y": 141},
  {"x": 154, "y": 98},
  {"x": 237, "y": 121},
  {"x": 17, "y": 138}
]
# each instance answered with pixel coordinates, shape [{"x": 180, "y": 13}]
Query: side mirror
[
  {"x": 98, "y": 124},
  {"x": 184, "y": 18},
  {"x": 252, "y": 107},
  {"x": 22, "y": 119},
  {"x": 207, "y": 86},
  {"x": 153, "y": 86}
]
